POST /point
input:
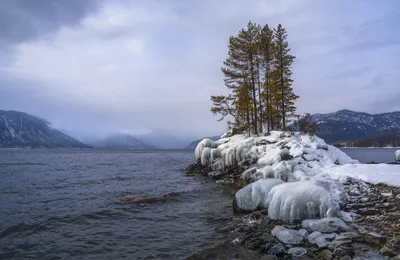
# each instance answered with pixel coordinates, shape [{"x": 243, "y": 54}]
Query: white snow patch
[
  {"x": 373, "y": 173},
  {"x": 397, "y": 153}
]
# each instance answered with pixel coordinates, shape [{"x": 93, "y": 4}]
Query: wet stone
[
  {"x": 277, "y": 249},
  {"x": 342, "y": 251},
  {"x": 325, "y": 255},
  {"x": 269, "y": 257}
]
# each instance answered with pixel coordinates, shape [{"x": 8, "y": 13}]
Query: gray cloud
[
  {"x": 21, "y": 20},
  {"x": 137, "y": 66}
]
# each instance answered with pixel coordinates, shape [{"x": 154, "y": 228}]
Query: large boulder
[{"x": 254, "y": 195}]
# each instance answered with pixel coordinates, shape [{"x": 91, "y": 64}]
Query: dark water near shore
[
  {"x": 378, "y": 155},
  {"x": 65, "y": 204}
]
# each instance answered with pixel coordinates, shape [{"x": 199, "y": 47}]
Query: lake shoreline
[
  {"x": 372, "y": 229},
  {"x": 370, "y": 208}
]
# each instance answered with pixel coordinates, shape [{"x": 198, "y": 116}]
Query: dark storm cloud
[
  {"x": 21, "y": 20},
  {"x": 99, "y": 66}
]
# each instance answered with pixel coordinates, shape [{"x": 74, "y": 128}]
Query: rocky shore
[
  {"x": 368, "y": 228},
  {"x": 373, "y": 232}
]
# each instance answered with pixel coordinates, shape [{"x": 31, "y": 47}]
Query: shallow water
[
  {"x": 378, "y": 155},
  {"x": 66, "y": 204}
]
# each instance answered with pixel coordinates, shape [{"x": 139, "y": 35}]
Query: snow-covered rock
[
  {"x": 300, "y": 200},
  {"x": 311, "y": 173},
  {"x": 289, "y": 236},
  {"x": 325, "y": 225},
  {"x": 290, "y": 157},
  {"x": 255, "y": 195},
  {"x": 205, "y": 143},
  {"x": 279, "y": 156},
  {"x": 397, "y": 153}
]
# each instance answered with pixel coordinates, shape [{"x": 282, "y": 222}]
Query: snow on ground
[
  {"x": 317, "y": 168},
  {"x": 372, "y": 173}
]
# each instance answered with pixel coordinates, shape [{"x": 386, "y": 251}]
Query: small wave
[
  {"x": 88, "y": 216},
  {"x": 22, "y": 227},
  {"x": 142, "y": 200},
  {"x": 20, "y": 164},
  {"x": 105, "y": 164}
]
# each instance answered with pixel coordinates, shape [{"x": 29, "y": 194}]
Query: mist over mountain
[
  {"x": 119, "y": 141},
  {"x": 21, "y": 130},
  {"x": 165, "y": 140}
]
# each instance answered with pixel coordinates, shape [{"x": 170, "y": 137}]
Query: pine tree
[
  {"x": 283, "y": 60},
  {"x": 258, "y": 74},
  {"x": 266, "y": 46},
  {"x": 240, "y": 70}
]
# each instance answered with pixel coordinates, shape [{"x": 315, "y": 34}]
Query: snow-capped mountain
[
  {"x": 349, "y": 125},
  {"x": 18, "y": 129},
  {"x": 120, "y": 141}
]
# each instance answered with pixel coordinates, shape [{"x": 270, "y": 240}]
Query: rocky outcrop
[{"x": 361, "y": 217}]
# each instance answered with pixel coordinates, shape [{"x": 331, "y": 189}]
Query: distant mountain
[
  {"x": 164, "y": 140},
  {"x": 21, "y": 130},
  {"x": 193, "y": 144},
  {"x": 120, "y": 141},
  {"x": 350, "y": 125}
]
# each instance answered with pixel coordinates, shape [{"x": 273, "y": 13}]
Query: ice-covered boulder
[
  {"x": 254, "y": 195},
  {"x": 205, "y": 143},
  {"x": 325, "y": 225},
  {"x": 397, "y": 153},
  {"x": 282, "y": 155},
  {"x": 302, "y": 161},
  {"x": 296, "y": 201}
]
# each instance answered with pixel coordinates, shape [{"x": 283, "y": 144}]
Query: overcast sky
[{"x": 95, "y": 66}]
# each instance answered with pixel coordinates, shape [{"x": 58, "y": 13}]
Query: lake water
[
  {"x": 66, "y": 204},
  {"x": 378, "y": 155}
]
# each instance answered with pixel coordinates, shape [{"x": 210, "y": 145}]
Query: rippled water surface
[{"x": 66, "y": 204}]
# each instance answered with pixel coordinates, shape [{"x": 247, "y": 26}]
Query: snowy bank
[
  {"x": 373, "y": 173},
  {"x": 295, "y": 176}
]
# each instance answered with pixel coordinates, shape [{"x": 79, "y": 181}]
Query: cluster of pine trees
[{"x": 258, "y": 74}]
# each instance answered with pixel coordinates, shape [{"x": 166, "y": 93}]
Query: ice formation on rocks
[
  {"x": 300, "y": 200},
  {"x": 325, "y": 225},
  {"x": 255, "y": 194},
  {"x": 294, "y": 158}
]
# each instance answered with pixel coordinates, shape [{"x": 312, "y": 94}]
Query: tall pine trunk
[
  {"x": 259, "y": 97},
  {"x": 253, "y": 86},
  {"x": 282, "y": 93}
]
